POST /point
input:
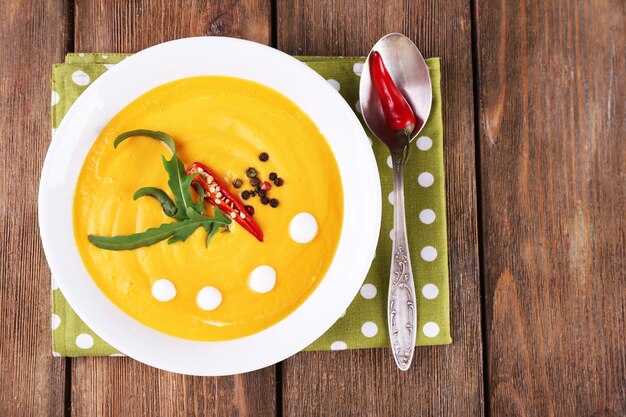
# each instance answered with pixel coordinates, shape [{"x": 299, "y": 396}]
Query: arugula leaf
[
  {"x": 166, "y": 202},
  {"x": 180, "y": 184},
  {"x": 176, "y": 231},
  {"x": 154, "y": 134}
]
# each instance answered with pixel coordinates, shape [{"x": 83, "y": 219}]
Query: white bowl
[{"x": 211, "y": 56}]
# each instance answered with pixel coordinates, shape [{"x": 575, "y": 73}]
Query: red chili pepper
[
  {"x": 216, "y": 193},
  {"x": 396, "y": 109}
]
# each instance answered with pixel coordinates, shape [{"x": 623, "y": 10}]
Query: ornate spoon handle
[{"x": 401, "y": 304}]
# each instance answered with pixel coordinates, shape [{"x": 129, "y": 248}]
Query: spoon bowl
[{"x": 407, "y": 67}]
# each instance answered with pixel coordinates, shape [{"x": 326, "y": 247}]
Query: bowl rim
[{"x": 197, "y": 56}]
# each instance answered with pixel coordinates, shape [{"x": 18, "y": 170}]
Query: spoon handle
[{"x": 401, "y": 304}]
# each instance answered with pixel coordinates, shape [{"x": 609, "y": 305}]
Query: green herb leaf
[
  {"x": 176, "y": 231},
  {"x": 166, "y": 202},
  {"x": 154, "y": 134},
  {"x": 180, "y": 184}
]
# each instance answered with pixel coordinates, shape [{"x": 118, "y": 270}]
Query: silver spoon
[{"x": 410, "y": 73}]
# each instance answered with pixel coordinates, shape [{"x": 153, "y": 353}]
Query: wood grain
[
  {"x": 552, "y": 83},
  {"x": 32, "y": 38},
  {"x": 120, "y": 387},
  {"x": 444, "y": 381}
]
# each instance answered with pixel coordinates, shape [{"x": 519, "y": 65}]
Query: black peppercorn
[
  {"x": 245, "y": 195},
  {"x": 250, "y": 210},
  {"x": 254, "y": 182},
  {"x": 251, "y": 173},
  {"x": 278, "y": 182},
  {"x": 237, "y": 183},
  {"x": 274, "y": 203},
  {"x": 265, "y": 200},
  {"x": 252, "y": 194},
  {"x": 264, "y": 156},
  {"x": 273, "y": 176},
  {"x": 263, "y": 193}
]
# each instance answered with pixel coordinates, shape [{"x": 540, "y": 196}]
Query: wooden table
[{"x": 534, "y": 97}]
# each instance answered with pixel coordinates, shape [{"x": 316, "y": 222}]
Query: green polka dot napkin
[{"x": 364, "y": 324}]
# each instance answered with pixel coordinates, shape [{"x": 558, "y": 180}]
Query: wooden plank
[
  {"x": 33, "y": 35},
  {"x": 121, "y": 386},
  {"x": 552, "y": 120},
  {"x": 444, "y": 381}
]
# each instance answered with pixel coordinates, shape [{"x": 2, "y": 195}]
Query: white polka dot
[
  {"x": 53, "y": 131},
  {"x": 262, "y": 279},
  {"x": 357, "y": 106},
  {"x": 425, "y": 179},
  {"x": 430, "y": 291},
  {"x": 209, "y": 298},
  {"x": 81, "y": 54},
  {"x": 371, "y": 142},
  {"x": 334, "y": 83},
  {"x": 358, "y": 68},
  {"x": 427, "y": 216},
  {"x": 84, "y": 341},
  {"x": 429, "y": 253},
  {"x": 431, "y": 329},
  {"x": 163, "y": 290},
  {"x": 55, "y": 286},
  {"x": 303, "y": 227},
  {"x": 391, "y": 198},
  {"x": 56, "y": 321},
  {"x": 338, "y": 345},
  {"x": 389, "y": 162},
  {"x": 424, "y": 143},
  {"x": 369, "y": 329},
  {"x": 80, "y": 78},
  {"x": 108, "y": 66},
  {"x": 117, "y": 355},
  {"x": 368, "y": 291},
  {"x": 56, "y": 354},
  {"x": 391, "y": 234},
  {"x": 343, "y": 314},
  {"x": 54, "y": 99},
  {"x": 104, "y": 56}
]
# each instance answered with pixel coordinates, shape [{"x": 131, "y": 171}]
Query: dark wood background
[{"x": 534, "y": 97}]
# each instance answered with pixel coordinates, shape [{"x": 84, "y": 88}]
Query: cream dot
[
  {"x": 117, "y": 355},
  {"x": 54, "y": 99},
  {"x": 334, "y": 83},
  {"x": 424, "y": 143},
  {"x": 368, "y": 291},
  {"x": 56, "y": 321},
  {"x": 303, "y": 227},
  {"x": 84, "y": 341},
  {"x": 429, "y": 253},
  {"x": 108, "y": 66},
  {"x": 55, "y": 286},
  {"x": 430, "y": 291},
  {"x": 56, "y": 354},
  {"x": 358, "y": 68},
  {"x": 53, "y": 131},
  {"x": 262, "y": 279},
  {"x": 104, "y": 56},
  {"x": 163, "y": 290},
  {"x": 391, "y": 234},
  {"x": 343, "y": 314},
  {"x": 371, "y": 142},
  {"x": 80, "y": 78},
  {"x": 357, "y": 107},
  {"x": 389, "y": 162},
  {"x": 338, "y": 345},
  {"x": 369, "y": 329},
  {"x": 431, "y": 329},
  {"x": 391, "y": 197},
  {"x": 81, "y": 55},
  {"x": 427, "y": 216},
  {"x": 425, "y": 179},
  {"x": 209, "y": 298}
]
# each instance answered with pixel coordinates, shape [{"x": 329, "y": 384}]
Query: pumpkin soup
[{"x": 265, "y": 154}]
